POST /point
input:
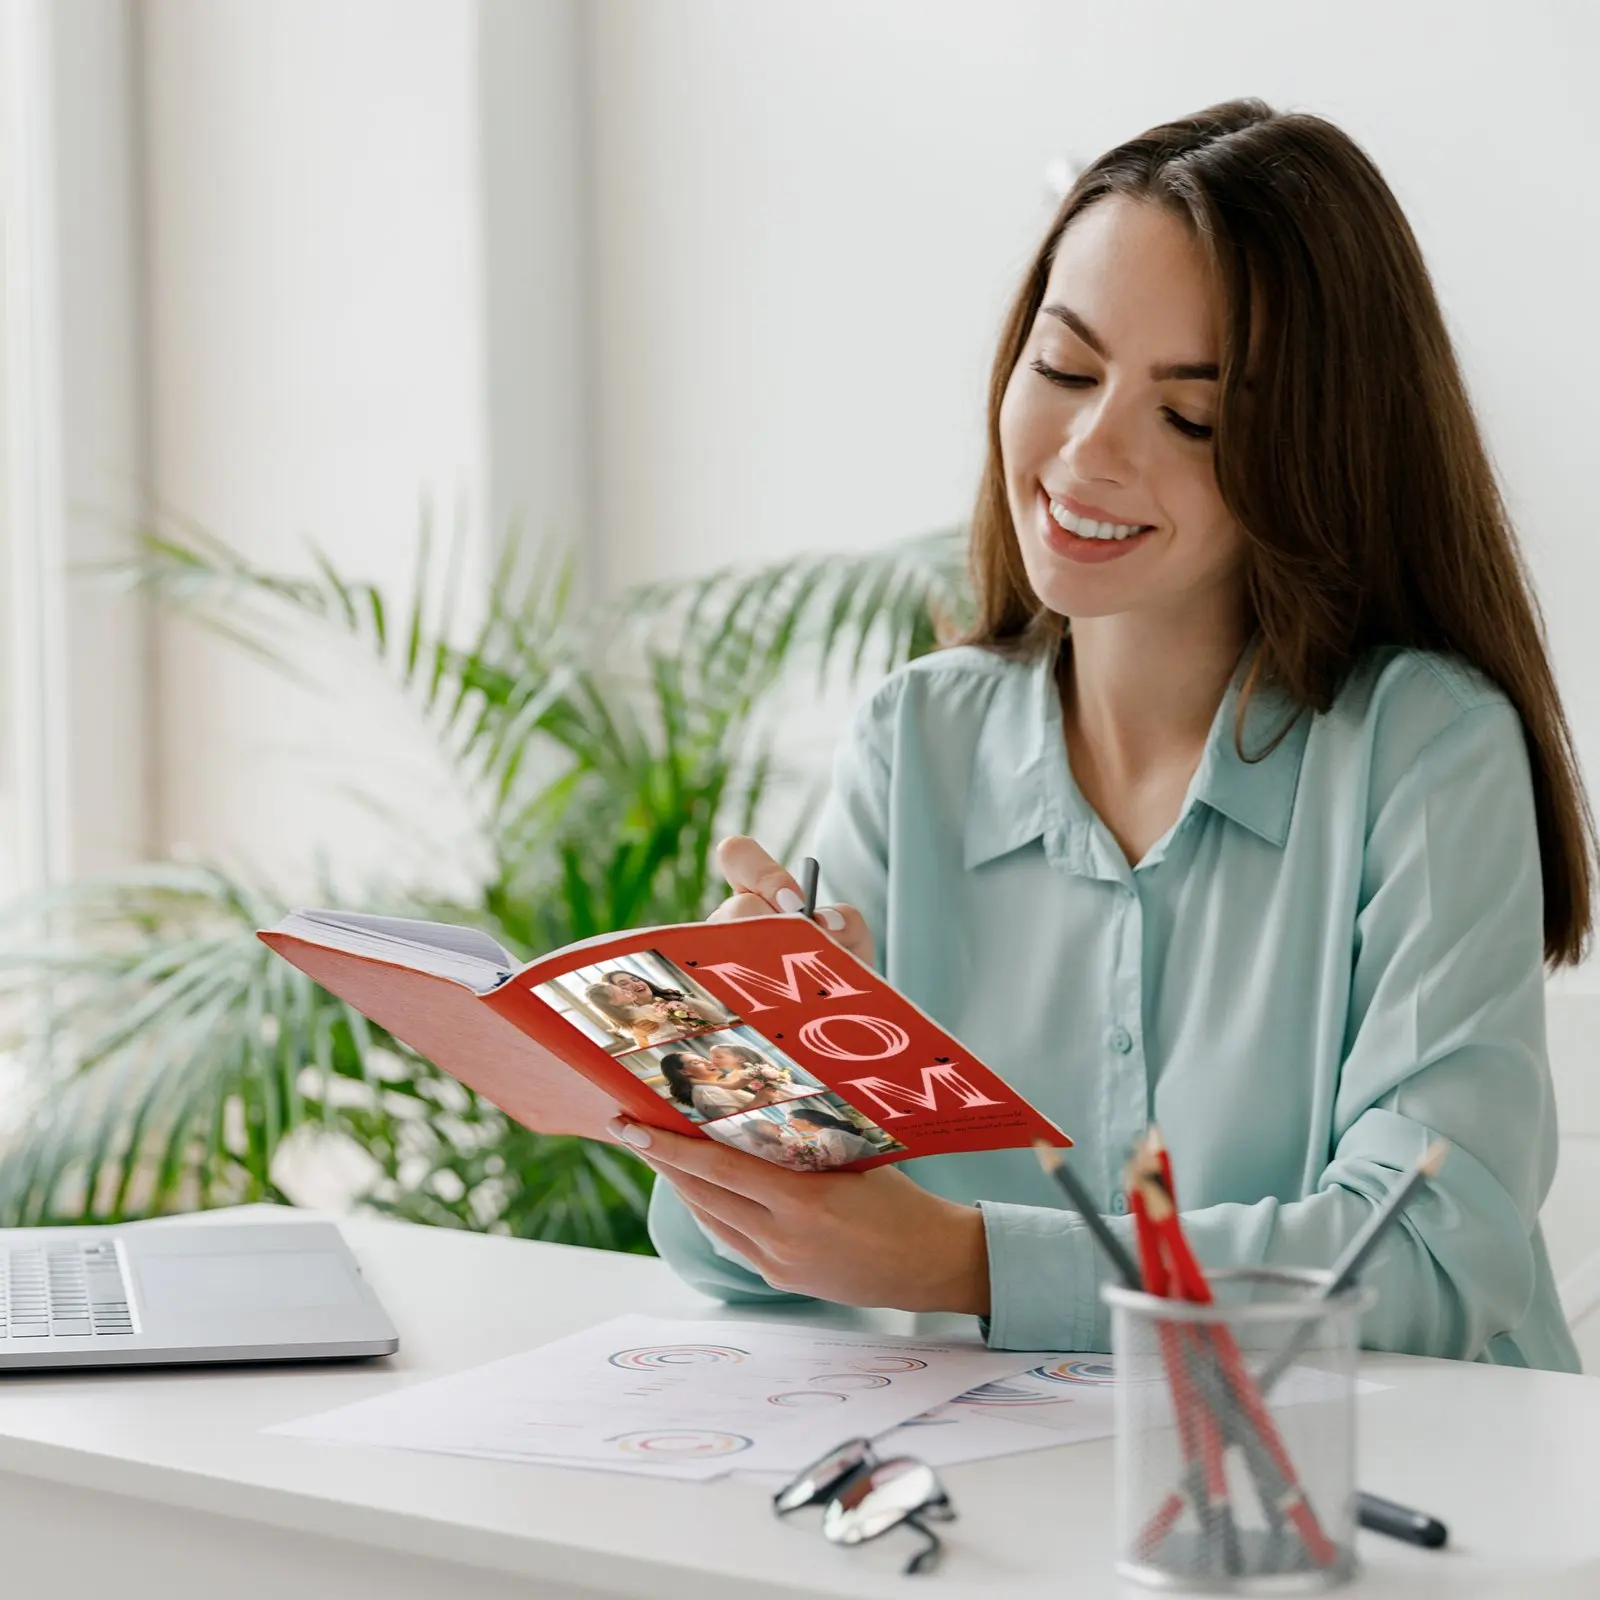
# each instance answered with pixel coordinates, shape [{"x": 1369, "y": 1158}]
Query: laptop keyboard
[{"x": 63, "y": 1291}]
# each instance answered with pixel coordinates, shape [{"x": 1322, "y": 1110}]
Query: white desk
[{"x": 161, "y": 1485}]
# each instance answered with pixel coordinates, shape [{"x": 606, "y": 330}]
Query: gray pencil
[
  {"x": 1083, "y": 1202},
  {"x": 1359, "y": 1251}
]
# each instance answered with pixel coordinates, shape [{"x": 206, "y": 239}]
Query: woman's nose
[{"x": 1097, "y": 445}]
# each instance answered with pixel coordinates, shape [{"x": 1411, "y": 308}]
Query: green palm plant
[{"x": 181, "y": 1054}]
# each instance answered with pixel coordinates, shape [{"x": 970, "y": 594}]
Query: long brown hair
[{"x": 1347, "y": 448}]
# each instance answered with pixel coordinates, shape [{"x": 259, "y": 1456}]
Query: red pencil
[
  {"x": 1201, "y": 1440},
  {"x": 1154, "y": 1170}
]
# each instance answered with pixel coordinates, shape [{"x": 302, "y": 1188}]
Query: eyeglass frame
[{"x": 867, "y": 1460}]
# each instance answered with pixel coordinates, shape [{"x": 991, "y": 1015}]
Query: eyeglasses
[{"x": 864, "y": 1496}]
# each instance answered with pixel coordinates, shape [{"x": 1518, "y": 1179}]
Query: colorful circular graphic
[
  {"x": 1095, "y": 1373},
  {"x": 889, "y": 1364},
  {"x": 807, "y": 1397},
  {"x": 680, "y": 1444},
  {"x": 653, "y": 1357},
  {"x": 852, "y": 1380},
  {"x": 1016, "y": 1392}
]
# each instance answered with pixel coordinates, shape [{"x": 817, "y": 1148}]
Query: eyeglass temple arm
[{"x": 930, "y": 1553}]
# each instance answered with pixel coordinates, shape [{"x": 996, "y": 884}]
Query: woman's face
[
  {"x": 699, "y": 1070},
  {"x": 632, "y": 990},
  {"x": 1098, "y": 428}
]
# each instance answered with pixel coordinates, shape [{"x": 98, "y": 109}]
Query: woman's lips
[{"x": 1086, "y": 551}]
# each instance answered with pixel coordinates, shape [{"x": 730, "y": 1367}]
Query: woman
[
  {"x": 699, "y": 1087},
  {"x": 829, "y": 1141},
  {"x": 639, "y": 1010},
  {"x": 763, "y": 1137},
  {"x": 1249, "y": 805},
  {"x": 745, "y": 1068}
]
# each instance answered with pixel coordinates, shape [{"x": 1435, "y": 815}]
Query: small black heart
[
  {"x": 693, "y": 963},
  {"x": 777, "y": 1036},
  {"x": 941, "y": 1059},
  {"x": 822, "y": 994}
]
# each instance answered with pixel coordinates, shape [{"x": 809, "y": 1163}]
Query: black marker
[
  {"x": 1399, "y": 1522},
  {"x": 808, "y": 886}
]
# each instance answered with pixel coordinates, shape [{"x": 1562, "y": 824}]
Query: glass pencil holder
[{"x": 1236, "y": 1434}]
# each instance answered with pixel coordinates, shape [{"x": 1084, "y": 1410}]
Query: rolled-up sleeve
[{"x": 1445, "y": 1038}]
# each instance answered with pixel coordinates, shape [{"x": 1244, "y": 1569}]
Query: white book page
[{"x": 464, "y": 955}]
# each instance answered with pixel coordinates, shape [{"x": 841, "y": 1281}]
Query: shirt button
[
  {"x": 1121, "y": 1041},
  {"x": 1119, "y": 1203}
]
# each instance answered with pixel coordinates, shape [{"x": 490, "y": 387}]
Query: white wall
[
  {"x": 533, "y": 214},
  {"x": 365, "y": 250},
  {"x": 318, "y": 367}
]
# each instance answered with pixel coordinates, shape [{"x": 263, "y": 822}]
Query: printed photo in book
[
  {"x": 815, "y": 1134},
  {"x": 634, "y": 1001},
  {"x": 710, "y": 1075}
]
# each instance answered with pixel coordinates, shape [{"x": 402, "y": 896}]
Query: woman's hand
[
  {"x": 761, "y": 886},
  {"x": 856, "y": 1238}
]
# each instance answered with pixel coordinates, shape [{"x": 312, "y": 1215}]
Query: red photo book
[{"x": 763, "y": 1034}]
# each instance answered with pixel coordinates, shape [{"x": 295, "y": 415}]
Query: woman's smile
[{"x": 1086, "y": 539}]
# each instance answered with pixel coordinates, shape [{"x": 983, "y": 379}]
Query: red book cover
[{"x": 761, "y": 1033}]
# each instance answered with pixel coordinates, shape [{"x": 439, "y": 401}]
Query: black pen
[
  {"x": 1399, "y": 1522},
  {"x": 808, "y": 886}
]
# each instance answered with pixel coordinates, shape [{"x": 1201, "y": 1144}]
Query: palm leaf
[{"x": 184, "y": 1053}]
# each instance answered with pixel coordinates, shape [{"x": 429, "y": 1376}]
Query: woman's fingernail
[
  {"x": 630, "y": 1133},
  {"x": 830, "y": 919},
  {"x": 787, "y": 900}
]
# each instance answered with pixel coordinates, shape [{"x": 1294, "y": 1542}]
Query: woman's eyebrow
[{"x": 1172, "y": 369}]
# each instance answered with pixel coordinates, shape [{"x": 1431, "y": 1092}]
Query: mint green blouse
[{"x": 1332, "y": 957}]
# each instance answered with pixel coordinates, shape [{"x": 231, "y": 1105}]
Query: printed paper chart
[
  {"x": 1073, "y": 1395},
  {"x": 675, "y": 1399}
]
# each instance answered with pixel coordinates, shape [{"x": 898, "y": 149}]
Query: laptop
[{"x": 175, "y": 1293}]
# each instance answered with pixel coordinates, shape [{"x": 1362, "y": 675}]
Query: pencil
[
  {"x": 1083, "y": 1203},
  {"x": 1357, "y": 1254},
  {"x": 809, "y": 872},
  {"x": 1362, "y": 1246},
  {"x": 1202, "y": 1440},
  {"x": 1235, "y": 1399}
]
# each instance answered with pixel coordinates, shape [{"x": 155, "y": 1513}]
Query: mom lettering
[
  {"x": 749, "y": 984},
  {"x": 900, "y": 1099}
]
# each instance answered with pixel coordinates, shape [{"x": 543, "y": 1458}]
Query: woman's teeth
[{"x": 1087, "y": 528}]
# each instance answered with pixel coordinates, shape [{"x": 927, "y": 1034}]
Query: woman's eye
[
  {"x": 1074, "y": 380},
  {"x": 1067, "y": 380},
  {"x": 1192, "y": 430}
]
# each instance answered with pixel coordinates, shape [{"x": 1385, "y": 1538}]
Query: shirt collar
[
  {"x": 1022, "y": 787},
  {"x": 1009, "y": 803},
  {"x": 1257, "y": 790}
]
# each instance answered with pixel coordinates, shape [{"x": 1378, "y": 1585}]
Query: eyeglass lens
[
  {"x": 880, "y": 1498},
  {"x": 820, "y": 1479},
  {"x": 889, "y": 1494}
]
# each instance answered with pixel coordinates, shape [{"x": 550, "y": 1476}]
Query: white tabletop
[{"x": 1509, "y": 1459}]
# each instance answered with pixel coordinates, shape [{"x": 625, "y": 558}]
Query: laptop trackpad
[{"x": 277, "y": 1280}]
